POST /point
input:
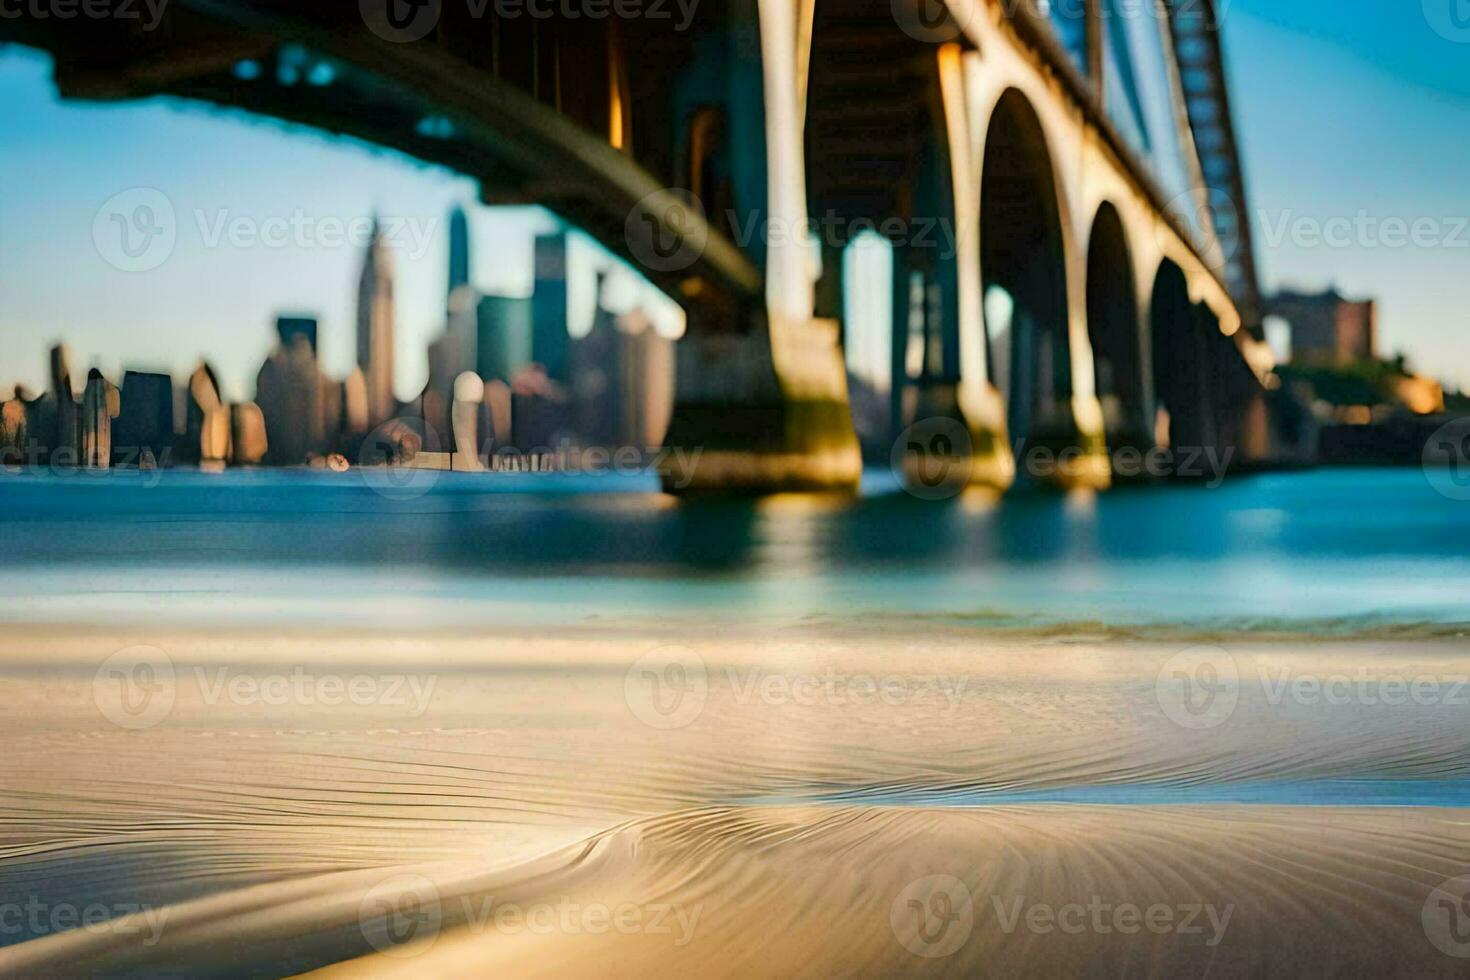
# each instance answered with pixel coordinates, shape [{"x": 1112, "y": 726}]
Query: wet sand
[{"x": 666, "y": 798}]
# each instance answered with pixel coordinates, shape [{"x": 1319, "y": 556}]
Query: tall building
[
  {"x": 375, "y": 327},
  {"x": 146, "y": 420},
  {"x": 503, "y": 335},
  {"x": 13, "y": 438},
  {"x": 67, "y": 437},
  {"x": 207, "y": 426},
  {"x": 288, "y": 327},
  {"x": 549, "y": 340},
  {"x": 460, "y": 330},
  {"x": 289, "y": 390},
  {"x": 623, "y": 382},
  {"x": 459, "y": 250},
  {"x": 1327, "y": 329},
  {"x": 99, "y": 407}
]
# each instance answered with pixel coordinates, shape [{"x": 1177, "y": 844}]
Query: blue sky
[
  {"x": 1356, "y": 107},
  {"x": 1355, "y": 111},
  {"x": 215, "y": 296}
]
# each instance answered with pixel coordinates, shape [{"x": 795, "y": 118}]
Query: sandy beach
[{"x": 657, "y": 798}]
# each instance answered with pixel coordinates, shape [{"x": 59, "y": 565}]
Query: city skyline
[
  {"x": 262, "y": 170},
  {"x": 217, "y": 309}
]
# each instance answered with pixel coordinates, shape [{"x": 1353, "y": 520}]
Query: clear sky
[
  {"x": 1362, "y": 108},
  {"x": 1356, "y": 112},
  {"x": 215, "y": 295}
]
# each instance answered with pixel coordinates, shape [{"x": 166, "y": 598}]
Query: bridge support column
[
  {"x": 778, "y": 419},
  {"x": 976, "y": 398}
]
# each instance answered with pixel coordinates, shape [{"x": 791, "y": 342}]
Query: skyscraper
[
  {"x": 146, "y": 420},
  {"x": 288, "y": 390},
  {"x": 289, "y": 326},
  {"x": 549, "y": 341},
  {"x": 375, "y": 327},
  {"x": 623, "y": 381},
  {"x": 503, "y": 341},
  {"x": 459, "y": 250}
]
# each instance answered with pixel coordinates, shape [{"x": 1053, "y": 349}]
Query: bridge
[{"x": 1099, "y": 290}]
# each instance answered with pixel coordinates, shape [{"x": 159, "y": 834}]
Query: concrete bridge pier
[
  {"x": 761, "y": 410},
  {"x": 762, "y": 406}
]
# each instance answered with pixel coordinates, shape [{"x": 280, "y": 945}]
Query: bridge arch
[
  {"x": 1023, "y": 254},
  {"x": 1180, "y": 329},
  {"x": 1115, "y": 328}
]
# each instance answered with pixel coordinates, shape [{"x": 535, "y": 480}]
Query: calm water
[
  {"x": 274, "y": 819},
  {"x": 1329, "y": 551}
]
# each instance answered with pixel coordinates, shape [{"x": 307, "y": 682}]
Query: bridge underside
[{"x": 1065, "y": 308}]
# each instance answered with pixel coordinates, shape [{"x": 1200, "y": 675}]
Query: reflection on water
[
  {"x": 1358, "y": 547},
  {"x": 851, "y": 723}
]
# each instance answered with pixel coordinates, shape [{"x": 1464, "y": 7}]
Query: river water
[
  {"x": 259, "y": 723},
  {"x": 1328, "y": 552}
]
